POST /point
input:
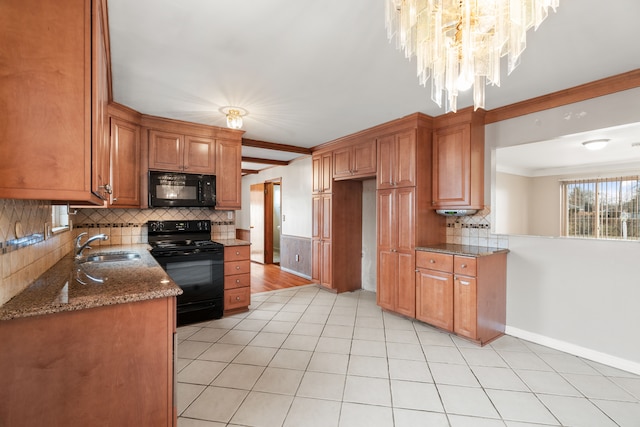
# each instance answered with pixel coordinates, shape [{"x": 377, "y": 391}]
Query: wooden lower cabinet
[
  {"x": 110, "y": 365},
  {"x": 465, "y": 295},
  {"x": 434, "y": 298},
  {"x": 237, "y": 279}
]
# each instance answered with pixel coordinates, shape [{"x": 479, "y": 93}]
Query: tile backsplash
[
  {"x": 25, "y": 254},
  {"x": 127, "y": 226},
  {"x": 475, "y": 230}
]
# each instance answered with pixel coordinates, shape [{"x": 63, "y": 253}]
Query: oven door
[{"x": 199, "y": 275}]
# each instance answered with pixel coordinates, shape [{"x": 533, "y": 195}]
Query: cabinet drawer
[
  {"x": 464, "y": 265},
  {"x": 236, "y": 253},
  {"x": 237, "y": 267},
  {"x": 237, "y": 281},
  {"x": 434, "y": 261},
  {"x": 237, "y": 298}
]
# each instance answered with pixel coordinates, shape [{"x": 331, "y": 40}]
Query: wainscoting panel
[{"x": 290, "y": 246}]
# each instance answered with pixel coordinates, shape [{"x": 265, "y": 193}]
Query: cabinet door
[
  {"x": 165, "y": 151},
  {"x": 387, "y": 276},
  {"x": 125, "y": 164},
  {"x": 404, "y": 218},
  {"x": 327, "y": 174},
  {"x": 101, "y": 184},
  {"x": 386, "y": 162},
  {"x": 465, "y": 306},
  {"x": 316, "y": 259},
  {"x": 325, "y": 231},
  {"x": 434, "y": 299},
  {"x": 364, "y": 159},
  {"x": 326, "y": 271},
  {"x": 316, "y": 222},
  {"x": 199, "y": 155},
  {"x": 451, "y": 166},
  {"x": 316, "y": 170},
  {"x": 228, "y": 174},
  {"x": 386, "y": 220},
  {"x": 406, "y": 284},
  {"x": 342, "y": 163},
  {"x": 405, "y": 170}
]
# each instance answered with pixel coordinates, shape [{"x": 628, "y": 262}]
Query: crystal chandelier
[{"x": 459, "y": 43}]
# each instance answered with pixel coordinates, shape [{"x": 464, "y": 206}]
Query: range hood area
[{"x": 456, "y": 212}]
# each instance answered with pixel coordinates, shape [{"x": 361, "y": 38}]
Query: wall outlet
[
  {"x": 283, "y": 218},
  {"x": 229, "y": 214},
  {"x": 297, "y": 258}
]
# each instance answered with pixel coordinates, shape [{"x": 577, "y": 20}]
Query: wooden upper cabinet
[
  {"x": 355, "y": 161},
  {"x": 199, "y": 155},
  {"x": 397, "y": 160},
  {"x": 125, "y": 164},
  {"x": 101, "y": 184},
  {"x": 47, "y": 98},
  {"x": 458, "y": 165},
  {"x": 181, "y": 153},
  {"x": 166, "y": 150},
  {"x": 321, "y": 165},
  {"x": 228, "y": 174}
]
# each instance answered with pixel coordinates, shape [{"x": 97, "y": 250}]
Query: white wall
[
  {"x": 296, "y": 197},
  {"x": 581, "y": 296},
  {"x": 512, "y": 203},
  {"x": 369, "y": 242}
]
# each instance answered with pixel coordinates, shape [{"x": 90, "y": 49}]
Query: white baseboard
[
  {"x": 297, "y": 273},
  {"x": 576, "y": 350}
]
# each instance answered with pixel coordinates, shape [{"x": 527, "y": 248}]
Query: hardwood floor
[{"x": 269, "y": 277}]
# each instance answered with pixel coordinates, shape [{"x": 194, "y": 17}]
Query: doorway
[{"x": 265, "y": 218}]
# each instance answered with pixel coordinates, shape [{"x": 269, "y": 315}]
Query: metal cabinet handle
[
  {"x": 463, "y": 266},
  {"x": 237, "y": 280},
  {"x": 432, "y": 261},
  {"x": 237, "y": 252},
  {"x": 464, "y": 282},
  {"x": 237, "y": 298},
  {"x": 237, "y": 267}
]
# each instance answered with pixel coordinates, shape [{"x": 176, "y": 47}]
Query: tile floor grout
[{"x": 240, "y": 389}]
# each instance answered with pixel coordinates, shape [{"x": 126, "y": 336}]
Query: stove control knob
[{"x": 156, "y": 226}]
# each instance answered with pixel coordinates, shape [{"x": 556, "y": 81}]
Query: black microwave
[{"x": 175, "y": 189}]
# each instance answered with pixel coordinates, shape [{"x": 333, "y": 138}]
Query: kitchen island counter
[{"x": 69, "y": 286}]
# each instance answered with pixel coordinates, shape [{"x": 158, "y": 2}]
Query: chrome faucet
[{"x": 85, "y": 245}]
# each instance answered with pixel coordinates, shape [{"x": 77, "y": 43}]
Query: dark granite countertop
[
  {"x": 68, "y": 286},
  {"x": 232, "y": 242},
  {"x": 455, "y": 249}
]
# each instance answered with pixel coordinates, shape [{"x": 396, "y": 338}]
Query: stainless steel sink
[{"x": 111, "y": 257}]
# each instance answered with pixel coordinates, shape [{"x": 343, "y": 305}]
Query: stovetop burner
[{"x": 181, "y": 236}]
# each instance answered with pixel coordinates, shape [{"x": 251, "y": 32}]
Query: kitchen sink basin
[{"x": 112, "y": 257}]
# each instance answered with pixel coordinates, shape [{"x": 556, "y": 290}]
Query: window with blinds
[{"x": 605, "y": 208}]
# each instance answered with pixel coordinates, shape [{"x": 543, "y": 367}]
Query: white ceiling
[
  {"x": 566, "y": 154},
  {"x": 310, "y": 71}
]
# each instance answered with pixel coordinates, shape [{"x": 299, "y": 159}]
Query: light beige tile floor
[{"x": 304, "y": 357}]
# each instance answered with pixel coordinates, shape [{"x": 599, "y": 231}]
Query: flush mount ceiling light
[
  {"x": 595, "y": 144},
  {"x": 459, "y": 43},
  {"x": 234, "y": 116}
]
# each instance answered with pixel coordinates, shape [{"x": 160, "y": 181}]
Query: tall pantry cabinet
[
  {"x": 405, "y": 218},
  {"x": 337, "y": 230}
]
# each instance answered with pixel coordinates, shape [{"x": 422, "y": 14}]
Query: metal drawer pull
[
  {"x": 463, "y": 282},
  {"x": 463, "y": 266},
  {"x": 237, "y": 280},
  {"x": 237, "y": 298},
  {"x": 432, "y": 261},
  {"x": 237, "y": 267}
]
